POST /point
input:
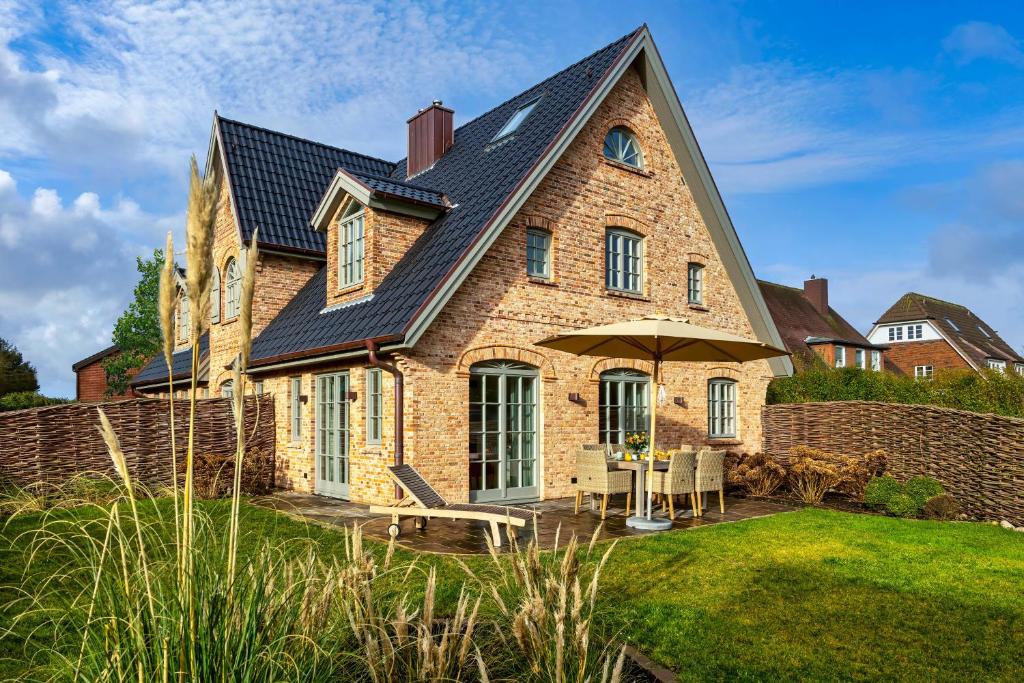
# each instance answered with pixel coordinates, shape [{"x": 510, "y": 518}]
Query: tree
[
  {"x": 137, "y": 331},
  {"x": 16, "y": 374}
]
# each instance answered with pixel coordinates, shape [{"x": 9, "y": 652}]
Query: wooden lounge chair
[{"x": 422, "y": 502}]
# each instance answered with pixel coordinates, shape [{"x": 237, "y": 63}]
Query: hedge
[
  {"x": 27, "y": 399},
  {"x": 986, "y": 392}
]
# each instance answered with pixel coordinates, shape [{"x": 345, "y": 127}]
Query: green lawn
[{"x": 811, "y": 595}]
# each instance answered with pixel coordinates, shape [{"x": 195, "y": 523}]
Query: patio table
[{"x": 640, "y": 468}]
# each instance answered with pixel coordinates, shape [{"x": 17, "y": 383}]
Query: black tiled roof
[
  {"x": 181, "y": 363},
  {"x": 398, "y": 188},
  {"x": 477, "y": 177},
  {"x": 279, "y": 179}
]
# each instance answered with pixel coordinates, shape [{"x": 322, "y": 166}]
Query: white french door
[{"x": 332, "y": 442}]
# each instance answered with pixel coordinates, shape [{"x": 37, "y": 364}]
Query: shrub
[
  {"x": 27, "y": 399},
  {"x": 880, "y": 489},
  {"x": 757, "y": 474},
  {"x": 902, "y": 505},
  {"x": 923, "y": 488},
  {"x": 986, "y": 392},
  {"x": 859, "y": 470},
  {"x": 943, "y": 507},
  {"x": 812, "y": 473}
]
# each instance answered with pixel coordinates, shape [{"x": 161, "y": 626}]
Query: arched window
[
  {"x": 215, "y": 297},
  {"x": 227, "y": 388},
  {"x": 722, "y": 408},
  {"x": 183, "y": 316},
  {"x": 622, "y": 146},
  {"x": 623, "y": 405},
  {"x": 233, "y": 304}
]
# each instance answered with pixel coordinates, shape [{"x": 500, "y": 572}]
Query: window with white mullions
[
  {"x": 722, "y": 408},
  {"x": 538, "y": 253},
  {"x": 621, "y": 145},
  {"x": 695, "y": 284},
  {"x": 623, "y": 261},
  {"x": 296, "y": 408},
  {"x": 233, "y": 290},
  {"x": 374, "y": 405},
  {"x": 351, "y": 247},
  {"x": 623, "y": 405}
]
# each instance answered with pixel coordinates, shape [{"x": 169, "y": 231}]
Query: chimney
[
  {"x": 816, "y": 291},
  {"x": 431, "y": 134}
]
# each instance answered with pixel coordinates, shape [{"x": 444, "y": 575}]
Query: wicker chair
[
  {"x": 678, "y": 480},
  {"x": 593, "y": 477},
  {"x": 710, "y": 476}
]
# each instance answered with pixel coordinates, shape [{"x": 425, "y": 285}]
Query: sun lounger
[{"x": 423, "y": 502}]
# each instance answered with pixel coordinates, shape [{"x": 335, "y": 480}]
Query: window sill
[
  {"x": 698, "y": 307},
  {"x": 626, "y": 167},
  {"x": 627, "y": 295},
  {"x": 547, "y": 282},
  {"x": 348, "y": 289},
  {"x": 724, "y": 441}
]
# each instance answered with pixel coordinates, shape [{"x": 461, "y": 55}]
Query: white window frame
[
  {"x": 624, "y": 261},
  {"x": 722, "y": 408},
  {"x": 1019, "y": 367},
  {"x": 896, "y": 333},
  {"x": 695, "y": 283},
  {"x": 352, "y": 248},
  {"x": 516, "y": 120},
  {"x": 952, "y": 324},
  {"x": 860, "y": 359},
  {"x": 258, "y": 387},
  {"x": 840, "y": 355},
  {"x": 915, "y": 331},
  {"x": 876, "y": 360},
  {"x": 227, "y": 388},
  {"x": 233, "y": 289},
  {"x": 617, "y": 147},
  {"x": 295, "y": 401},
  {"x": 184, "y": 316},
  {"x": 923, "y": 371},
  {"x": 374, "y": 405},
  {"x": 538, "y": 244},
  {"x": 999, "y": 365},
  {"x": 984, "y": 332}
]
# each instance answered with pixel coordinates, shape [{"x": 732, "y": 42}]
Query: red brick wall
[
  {"x": 937, "y": 353},
  {"x": 91, "y": 384}
]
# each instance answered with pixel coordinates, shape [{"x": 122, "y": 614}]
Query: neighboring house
[
  {"x": 813, "y": 330},
  {"x": 583, "y": 200},
  {"x": 91, "y": 378},
  {"x": 928, "y": 334}
]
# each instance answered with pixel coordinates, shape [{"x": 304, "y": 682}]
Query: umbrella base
[{"x": 653, "y": 524}]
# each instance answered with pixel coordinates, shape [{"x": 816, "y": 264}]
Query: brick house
[
  {"x": 396, "y": 304},
  {"x": 928, "y": 334},
  {"x": 91, "y": 378},
  {"x": 814, "y": 332}
]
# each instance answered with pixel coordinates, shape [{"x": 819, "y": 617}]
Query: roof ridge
[
  {"x": 937, "y": 300},
  {"x": 779, "y": 284},
  {"x": 302, "y": 139}
]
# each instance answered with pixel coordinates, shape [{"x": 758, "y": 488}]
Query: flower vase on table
[{"x": 638, "y": 444}]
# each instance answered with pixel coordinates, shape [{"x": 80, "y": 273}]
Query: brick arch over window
[
  {"x": 647, "y": 146},
  {"x": 722, "y": 372},
  {"x": 504, "y": 352},
  {"x": 620, "y": 219},
  {"x": 535, "y": 221},
  {"x": 605, "y": 364}
]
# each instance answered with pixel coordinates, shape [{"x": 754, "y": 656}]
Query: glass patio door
[
  {"x": 502, "y": 432},
  {"x": 623, "y": 405},
  {"x": 332, "y": 473}
]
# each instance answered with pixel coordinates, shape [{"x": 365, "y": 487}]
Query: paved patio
[{"x": 467, "y": 537}]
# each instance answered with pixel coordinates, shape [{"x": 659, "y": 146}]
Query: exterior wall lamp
[{"x": 679, "y": 401}]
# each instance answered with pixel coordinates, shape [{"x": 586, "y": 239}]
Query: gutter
[{"x": 392, "y": 369}]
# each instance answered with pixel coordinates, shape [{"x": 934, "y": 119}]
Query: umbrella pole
[{"x": 654, "y": 426}]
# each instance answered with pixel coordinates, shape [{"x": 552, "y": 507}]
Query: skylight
[
  {"x": 517, "y": 119},
  {"x": 984, "y": 332},
  {"x": 952, "y": 324}
]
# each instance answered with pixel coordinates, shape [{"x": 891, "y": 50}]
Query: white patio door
[
  {"x": 332, "y": 473},
  {"x": 503, "y": 444}
]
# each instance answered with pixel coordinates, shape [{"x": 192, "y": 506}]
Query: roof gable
[
  {"x": 276, "y": 181},
  {"x": 973, "y": 338}
]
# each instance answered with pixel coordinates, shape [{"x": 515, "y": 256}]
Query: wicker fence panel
[
  {"x": 978, "y": 458},
  {"x": 53, "y": 443}
]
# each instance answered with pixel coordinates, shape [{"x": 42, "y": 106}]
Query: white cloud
[
  {"x": 66, "y": 273},
  {"x": 981, "y": 40}
]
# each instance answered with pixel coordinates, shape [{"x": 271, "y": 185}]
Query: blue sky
[{"x": 880, "y": 145}]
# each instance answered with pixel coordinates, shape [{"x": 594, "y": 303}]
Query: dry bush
[
  {"x": 941, "y": 507},
  {"x": 812, "y": 472},
  {"x": 215, "y": 472},
  {"x": 757, "y": 474},
  {"x": 859, "y": 470}
]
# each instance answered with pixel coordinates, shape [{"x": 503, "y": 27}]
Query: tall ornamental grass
[{"x": 142, "y": 597}]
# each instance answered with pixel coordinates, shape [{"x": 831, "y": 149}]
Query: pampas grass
[{"x": 200, "y": 220}]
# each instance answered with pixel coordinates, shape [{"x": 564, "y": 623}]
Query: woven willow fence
[
  {"x": 978, "y": 458},
  {"x": 53, "y": 443}
]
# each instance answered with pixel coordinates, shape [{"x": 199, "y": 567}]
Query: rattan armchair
[
  {"x": 677, "y": 480},
  {"x": 710, "y": 476},
  {"x": 593, "y": 477}
]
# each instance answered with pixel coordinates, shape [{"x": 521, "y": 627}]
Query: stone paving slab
[{"x": 467, "y": 537}]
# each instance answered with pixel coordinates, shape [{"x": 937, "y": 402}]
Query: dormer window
[
  {"x": 512, "y": 125},
  {"x": 621, "y": 145},
  {"x": 351, "y": 247}
]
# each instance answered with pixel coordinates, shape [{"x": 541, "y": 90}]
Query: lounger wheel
[
  {"x": 394, "y": 530},
  {"x": 421, "y": 523}
]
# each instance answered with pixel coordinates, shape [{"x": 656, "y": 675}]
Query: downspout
[{"x": 392, "y": 369}]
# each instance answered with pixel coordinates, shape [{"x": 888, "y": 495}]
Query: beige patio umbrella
[{"x": 660, "y": 338}]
